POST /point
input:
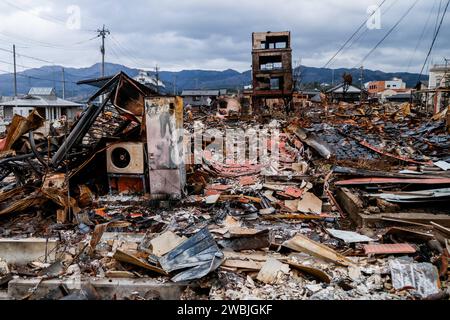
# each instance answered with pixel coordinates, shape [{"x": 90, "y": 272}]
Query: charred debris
[{"x": 356, "y": 207}]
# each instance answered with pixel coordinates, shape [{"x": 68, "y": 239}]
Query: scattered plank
[
  {"x": 396, "y": 248},
  {"x": 303, "y": 244},
  {"x": 128, "y": 258},
  {"x": 271, "y": 271}
]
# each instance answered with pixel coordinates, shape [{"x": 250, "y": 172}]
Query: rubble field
[{"x": 356, "y": 207}]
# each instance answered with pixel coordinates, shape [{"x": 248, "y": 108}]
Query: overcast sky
[{"x": 216, "y": 35}]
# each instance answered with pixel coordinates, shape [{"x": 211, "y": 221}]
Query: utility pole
[
  {"x": 446, "y": 71},
  {"x": 174, "y": 85},
  {"x": 15, "y": 71},
  {"x": 102, "y": 33},
  {"x": 332, "y": 78},
  {"x": 362, "y": 79},
  {"x": 157, "y": 78},
  {"x": 63, "y": 84}
]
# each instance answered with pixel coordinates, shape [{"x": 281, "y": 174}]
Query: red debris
[
  {"x": 247, "y": 181},
  {"x": 294, "y": 192},
  {"x": 389, "y": 248},
  {"x": 364, "y": 181}
]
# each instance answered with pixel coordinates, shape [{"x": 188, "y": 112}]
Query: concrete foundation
[
  {"x": 107, "y": 289},
  {"x": 23, "y": 251},
  {"x": 4, "y": 295}
]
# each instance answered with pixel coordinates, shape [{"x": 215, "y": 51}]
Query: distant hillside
[
  {"x": 51, "y": 76},
  {"x": 321, "y": 75}
]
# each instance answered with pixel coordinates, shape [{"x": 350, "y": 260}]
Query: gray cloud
[{"x": 195, "y": 34}]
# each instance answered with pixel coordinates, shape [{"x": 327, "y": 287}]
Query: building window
[
  {"x": 270, "y": 63},
  {"x": 275, "y": 84},
  {"x": 197, "y": 98}
]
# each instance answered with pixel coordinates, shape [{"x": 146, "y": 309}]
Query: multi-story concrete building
[
  {"x": 439, "y": 87},
  {"x": 375, "y": 87},
  {"x": 439, "y": 77},
  {"x": 272, "y": 67}
]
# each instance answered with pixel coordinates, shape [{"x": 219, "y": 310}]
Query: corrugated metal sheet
[
  {"x": 187, "y": 93},
  {"x": 389, "y": 248},
  {"x": 44, "y": 91}
]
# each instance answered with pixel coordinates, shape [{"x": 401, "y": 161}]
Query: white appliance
[{"x": 125, "y": 158}]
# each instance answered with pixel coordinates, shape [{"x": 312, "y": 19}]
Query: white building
[
  {"x": 45, "y": 101},
  {"x": 147, "y": 79},
  {"x": 439, "y": 76},
  {"x": 395, "y": 84}
]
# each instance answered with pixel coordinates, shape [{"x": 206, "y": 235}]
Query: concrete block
[
  {"x": 23, "y": 251},
  {"x": 4, "y": 295},
  {"x": 107, "y": 289},
  {"x": 123, "y": 236}
]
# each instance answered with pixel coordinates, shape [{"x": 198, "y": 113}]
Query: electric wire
[
  {"x": 388, "y": 33},
  {"x": 434, "y": 40}
]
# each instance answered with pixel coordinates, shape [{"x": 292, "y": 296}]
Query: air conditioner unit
[{"x": 125, "y": 158}]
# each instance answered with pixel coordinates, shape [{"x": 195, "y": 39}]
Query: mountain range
[{"x": 51, "y": 76}]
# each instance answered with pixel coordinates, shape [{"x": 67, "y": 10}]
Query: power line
[
  {"x": 353, "y": 35},
  {"x": 389, "y": 32},
  {"x": 26, "y": 56},
  {"x": 120, "y": 54},
  {"x": 367, "y": 29},
  {"x": 19, "y": 65},
  {"x": 39, "y": 43},
  {"x": 422, "y": 35},
  {"x": 45, "y": 17},
  {"x": 35, "y": 78},
  {"x": 128, "y": 53},
  {"x": 434, "y": 40},
  {"x": 437, "y": 17}
]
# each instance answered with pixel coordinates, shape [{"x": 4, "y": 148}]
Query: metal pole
[
  {"x": 362, "y": 77},
  {"x": 63, "y": 84},
  {"x": 174, "y": 85},
  {"x": 102, "y": 33},
  {"x": 15, "y": 71},
  {"x": 103, "y": 51},
  {"x": 157, "y": 79}
]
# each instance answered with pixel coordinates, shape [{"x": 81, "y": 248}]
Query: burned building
[{"x": 272, "y": 67}]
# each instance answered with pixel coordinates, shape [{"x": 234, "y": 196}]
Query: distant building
[
  {"x": 45, "y": 101},
  {"x": 307, "y": 94},
  {"x": 399, "y": 97},
  {"x": 394, "y": 95},
  {"x": 198, "y": 98},
  {"x": 439, "y": 77},
  {"x": 350, "y": 93},
  {"x": 271, "y": 67},
  {"x": 148, "y": 79},
  {"x": 439, "y": 87},
  {"x": 375, "y": 87}
]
